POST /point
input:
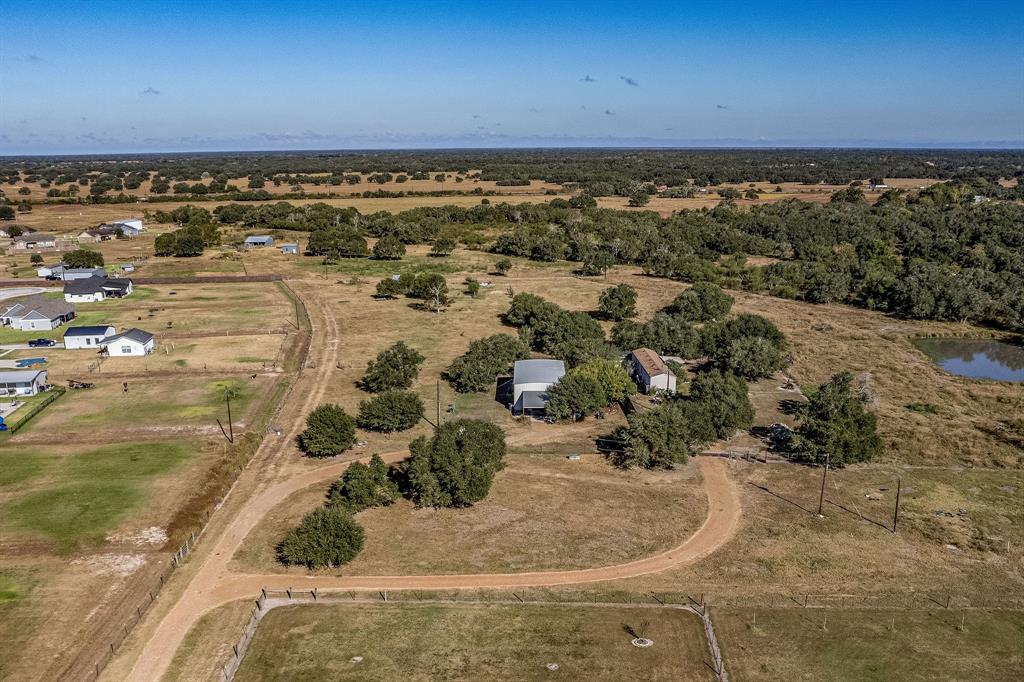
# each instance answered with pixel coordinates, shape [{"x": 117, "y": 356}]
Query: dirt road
[{"x": 213, "y": 584}]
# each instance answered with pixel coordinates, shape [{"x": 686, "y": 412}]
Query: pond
[{"x": 976, "y": 358}]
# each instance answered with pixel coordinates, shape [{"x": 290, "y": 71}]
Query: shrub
[
  {"x": 329, "y": 431},
  {"x": 836, "y": 424},
  {"x": 327, "y": 537},
  {"x": 702, "y": 302},
  {"x": 82, "y": 258},
  {"x": 390, "y": 411},
  {"x": 388, "y": 248},
  {"x": 456, "y": 467},
  {"x": 502, "y": 266},
  {"x": 395, "y": 367},
  {"x": 363, "y": 486}
]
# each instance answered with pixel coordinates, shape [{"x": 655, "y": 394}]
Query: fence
[
  {"x": 260, "y": 424},
  {"x": 54, "y": 393}
]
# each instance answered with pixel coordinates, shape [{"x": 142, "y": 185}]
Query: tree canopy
[
  {"x": 390, "y": 411},
  {"x": 395, "y": 367},
  {"x": 456, "y": 466},
  {"x": 327, "y": 537},
  {"x": 836, "y": 423},
  {"x": 476, "y": 369},
  {"x": 329, "y": 431}
]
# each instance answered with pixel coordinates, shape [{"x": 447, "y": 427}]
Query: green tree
[
  {"x": 7, "y": 213},
  {"x": 390, "y": 288},
  {"x": 722, "y": 397},
  {"x": 327, "y": 537},
  {"x": 454, "y": 468},
  {"x": 82, "y": 258},
  {"x": 363, "y": 486},
  {"x": 388, "y": 248},
  {"x": 702, "y": 302},
  {"x": 329, "y": 431},
  {"x": 837, "y": 424},
  {"x": 662, "y": 437},
  {"x": 638, "y": 199},
  {"x": 189, "y": 242},
  {"x": 36, "y": 258},
  {"x": 751, "y": 357},
  {"x": 472, "y": 287},
  {"x": 611, "y": 375},
  {"x": 502, "y": 266},
  {"x": 477, "y": 368},
  {"x": 618, "y": 302},
  {"x": 390, "y": 411},
  {"x": 164, "y": 243},
  {"x": 574, "y": 397},
  {"x": 443, "y": 246},
  {"x": 396, "y": 367}
]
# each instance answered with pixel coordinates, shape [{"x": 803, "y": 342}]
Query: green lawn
[
  {"x": 473, "y": 642},
  {"x": 82, "y": 319},
  {"x": 867, "y": 645},
  {"x": 78, "y": 498}
]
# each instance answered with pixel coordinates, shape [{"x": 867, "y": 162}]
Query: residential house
[
  {"x": 36, "y": 313},
  {"x": 87, "y": 337},
  {"x": 129, "y": 342},
  {"x": 132, "y": 227},
  {"x": 531, "y": 380},
  {"x": 92, "y": 289},
  {"x": 650, "y": 372},
  {"x": 25, "y": 382},
  {"x": 5, "y": 232},
  {"x": 290, "y": 248},
  {"x": 259, "y": 241},
  {"x": 34, "y": 241}
]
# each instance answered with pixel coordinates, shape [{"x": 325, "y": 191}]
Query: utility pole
[
  {"x": 231, "y": 425},
  {"x": 438, "y": 404},
  {"x": 896, "y": 512},
  {"x": 824, "y": 475}
]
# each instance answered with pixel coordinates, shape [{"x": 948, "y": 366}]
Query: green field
[
  {"x": 868, "y": 645},
  {"x": 474, "y": 642},
  {"x": 78, "y": 498}
]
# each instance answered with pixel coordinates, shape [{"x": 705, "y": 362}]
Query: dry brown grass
[{"x": 543, "y": 513}]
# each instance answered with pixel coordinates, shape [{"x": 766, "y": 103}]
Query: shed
[
  {"x": 531, "y": 380},
  {"x": 650, "y": 372},
  {"x": 259, "y": 241},
  {"x": 86, "y": 337},
  {"x": 290, "y": 248},
  {"x": 23, "y": 382}
]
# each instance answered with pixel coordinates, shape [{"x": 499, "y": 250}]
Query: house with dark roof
[
  {"x": 129, "y": 342},
  {"x": 650, "y": 371},
  {"x": 36, "y": 313},
  {"x": 95, "y": 289},
  {"x": 531, "y": 380},
  {"x": 87, "y": 337}
]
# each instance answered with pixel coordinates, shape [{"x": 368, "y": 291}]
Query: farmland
[{"x": 97, "y": 491}]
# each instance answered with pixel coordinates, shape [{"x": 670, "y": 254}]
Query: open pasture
[{"x": 423, "y": 642}]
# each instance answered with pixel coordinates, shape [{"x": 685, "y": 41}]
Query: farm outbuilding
[
  {"x": 259, "y": 241},
  {"x": 531, "y": 380},
  {"x": 86, "y": 337},
  {"x": 290, "y": 248},
  {"x": 650, "y": 372},
  {"x": 129, "y": 342},
  {"x": 23, "y": 382}
]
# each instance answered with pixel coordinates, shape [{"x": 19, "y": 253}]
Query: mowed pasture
[
  {"x": 859, "y": 645},
  {"x": 543, "y": 513},
  {"x": 476, "y": 642}
]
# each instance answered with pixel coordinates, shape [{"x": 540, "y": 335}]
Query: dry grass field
[
  {"x": 543, "y": 513},
  {"x": 473, "y": 643},
  {"x": 861, "y": 645}
]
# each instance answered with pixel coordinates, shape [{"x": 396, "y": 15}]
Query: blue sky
[{"x": 99, "y": 76}]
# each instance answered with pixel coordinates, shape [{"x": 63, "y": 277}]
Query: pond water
[{"x": 976, "y": 358}]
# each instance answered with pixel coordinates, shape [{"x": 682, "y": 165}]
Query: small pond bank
[{"x": 975, "y": 358}]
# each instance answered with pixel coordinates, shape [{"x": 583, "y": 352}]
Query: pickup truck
[{"x": 41, "y": 343}]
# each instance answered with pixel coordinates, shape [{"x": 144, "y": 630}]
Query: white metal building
[
  {"x": 531, "y": 380},
  {"x": 86, "y": 337}
]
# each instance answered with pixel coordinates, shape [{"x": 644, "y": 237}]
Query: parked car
[{"x": 37, "y": 343}]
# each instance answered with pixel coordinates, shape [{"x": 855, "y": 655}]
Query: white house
[
  {"x": 129, "y": 342},
  {"x": 531, "y": 380},
  {"x": 131, "y": 227},
  {"x": 650, "y": 372},
  {"x": 36, "y": 313},
  {"x": 34, "y": 241},
  {"x": 23, "y": 382},
  {"x": 290, "y": 248},
  {"x": 86, "y": 337}
]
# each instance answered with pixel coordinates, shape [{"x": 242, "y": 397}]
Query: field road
[{"x": 213, "y": 584}]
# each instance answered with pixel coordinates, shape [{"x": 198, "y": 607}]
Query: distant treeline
[
  {"x": 599, "y": 171},
  {"x": 935, "y": 254}
]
